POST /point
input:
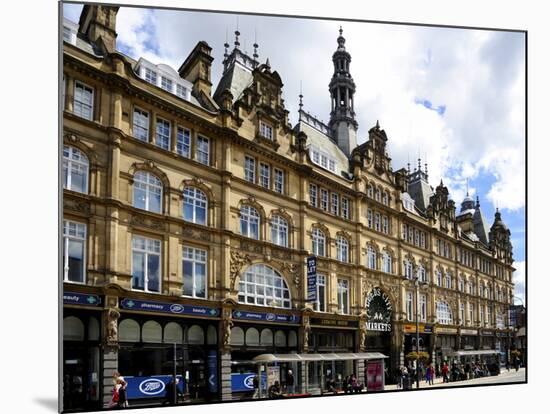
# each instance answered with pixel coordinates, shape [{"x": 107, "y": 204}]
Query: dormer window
[
  {"x": 164, "y": 77},
  {"x": 266, "y": 130},
  {"x": 151, "y": 76},
  {"x": 69, "y": 31},
  {"x": 323, "y": 160},
  {"x": 182, "y": 91},
  {"x": 66, "y": 34},
  {"x": 166, "y": 83}
]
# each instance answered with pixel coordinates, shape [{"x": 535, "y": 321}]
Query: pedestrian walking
[
  {"x": 430, "y": 372},
  {"x": 256, "y": 386},
  {"x": 290, "y": 382},
  {"x": 445, "y": 372}
]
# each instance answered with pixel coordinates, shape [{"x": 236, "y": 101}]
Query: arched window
[
  {"x": 93, "y": 329},
  {"x": 280, "y": 338},
  {"x": 385, "y": 198},
  {"x": 387, "y": 262},
  {"x": 421, "y": 273},
  {"x": 266, "y": 337},
  {"x": 371, "y": 257},
  {"x": 151, "y": 332},
  {"x": 195, "y": 205},
  {"x": 128, "y": 331},
  {"x": 292, "y": 339},
  {"x": 342, "y": 249},
  {"x": 279, "y": 231},
  {"x": 147, "y": 192},
  {"x": 448, "y": 281},
  {"x": 75, "y": 170},
  {"x": 438, "y": 278},
  {"x": 408, "y": 269},
  {"x": 252, "y": 337},
  {"x": 261, "y": 285},
  {"x": 318, "y": 240},
  {"x": 73, "y": 329},
  {"x": 173, "y": 333},
  {"x": 250, "y": 222},
  {"x": 370, "y": 191},
  {"x": 195, "y": 335},
  {"x": 237, "y": 336},
  {"x": 444, "y": 315}
]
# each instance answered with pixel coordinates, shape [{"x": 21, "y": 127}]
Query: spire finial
[
  {"x": 341, "y": 31},
  {"x": 377, "y": 124},
  {"x": 226, "y": 45},
  {"x": 268, "y": 66},
  {"x": 300, "y": 104},
  {"x": 237, "y": 34},
  {"x": 467, "y": 187},
  {"x": 255, "y": 45},
  {"x": 426, "y": 169},
  {"x": 477, "y": 201},
  {"x": 419, "y": 164},
  {"x": 408, "y": 164}
]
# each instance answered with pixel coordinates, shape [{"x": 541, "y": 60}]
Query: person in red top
[{"x": 445, "y": 372}]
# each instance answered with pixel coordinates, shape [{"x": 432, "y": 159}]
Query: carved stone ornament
[
  {"x": 238, "y": 260},
  {"x": 111, "y": 334},
  {"x": 307, "y": 329},
  {"x": 227, "y": 326},
  {"x": 292, "y": 270},
  {"x": 362, "y": 334}
]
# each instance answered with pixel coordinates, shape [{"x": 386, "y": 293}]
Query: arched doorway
[{"x": 379, "y": 311}]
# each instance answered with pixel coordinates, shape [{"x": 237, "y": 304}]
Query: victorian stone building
[{"x": 189, "y": 210}]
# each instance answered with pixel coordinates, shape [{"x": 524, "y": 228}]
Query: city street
[{"x": 504, "y": 377}]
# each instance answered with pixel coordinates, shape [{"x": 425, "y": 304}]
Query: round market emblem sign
[{"x": 378, "y": 311}]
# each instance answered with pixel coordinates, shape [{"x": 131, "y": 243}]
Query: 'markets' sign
[{"x": 378, "y": 311}]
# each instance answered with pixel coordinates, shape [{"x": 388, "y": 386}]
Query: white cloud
[
  {"x": 519, "y": 281},
  {"x": 477, "y": 75}
]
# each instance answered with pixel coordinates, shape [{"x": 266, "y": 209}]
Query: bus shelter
[
  {"x": 313, "y": 374},
  {"x": 487, "y": 358}
]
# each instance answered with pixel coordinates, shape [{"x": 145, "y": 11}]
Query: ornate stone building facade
[{"x": 189, "y": 212}]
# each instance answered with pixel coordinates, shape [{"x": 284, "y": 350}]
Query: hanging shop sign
[
  {"x": 334, "y": 322},
  {"x": 378, "y": 311},
  {"x": 84, "y": 299},
  {"x": 411, "y": 328},
  {"x": 312, "y": 278},
  {"x": 151, "y": 387},
  {"x": 443, "y": 330},
  {"x": 213, "y": 371},
  {"x": 266, "y": 316},
  {"x": 468, "y": 331},
  {"x": 165, "y": 307}
]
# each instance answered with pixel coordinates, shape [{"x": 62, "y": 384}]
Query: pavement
[{"x": 504, "y": 377}]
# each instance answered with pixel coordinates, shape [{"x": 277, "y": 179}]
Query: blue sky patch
[{"x": 440, "y": 109}]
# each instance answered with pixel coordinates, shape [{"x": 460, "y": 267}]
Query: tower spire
[
  {"x": 300, "y": 104},
  {"x": 342, "y": 124}
]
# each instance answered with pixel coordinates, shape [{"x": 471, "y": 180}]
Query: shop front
[
  {"x": 81, "y": 350},
  {"x": 255, "y": 333},
  {"x": 160, "y": 340},
  {"x": 445, "y": 345},
  {"x": 331, "y": 335},
  {"x": 425, "y": 339}
]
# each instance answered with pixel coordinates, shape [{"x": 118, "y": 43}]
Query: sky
[{"x": 453, "y": 97}]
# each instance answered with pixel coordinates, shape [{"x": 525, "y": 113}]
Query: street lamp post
[{"x": 416, "y": 282}]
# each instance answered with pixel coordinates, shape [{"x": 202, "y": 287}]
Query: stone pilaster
[
  {"x": 360, "y": 371},
  {"x": 110, "y": 365},
  {"x": 225, "y": 382}
]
